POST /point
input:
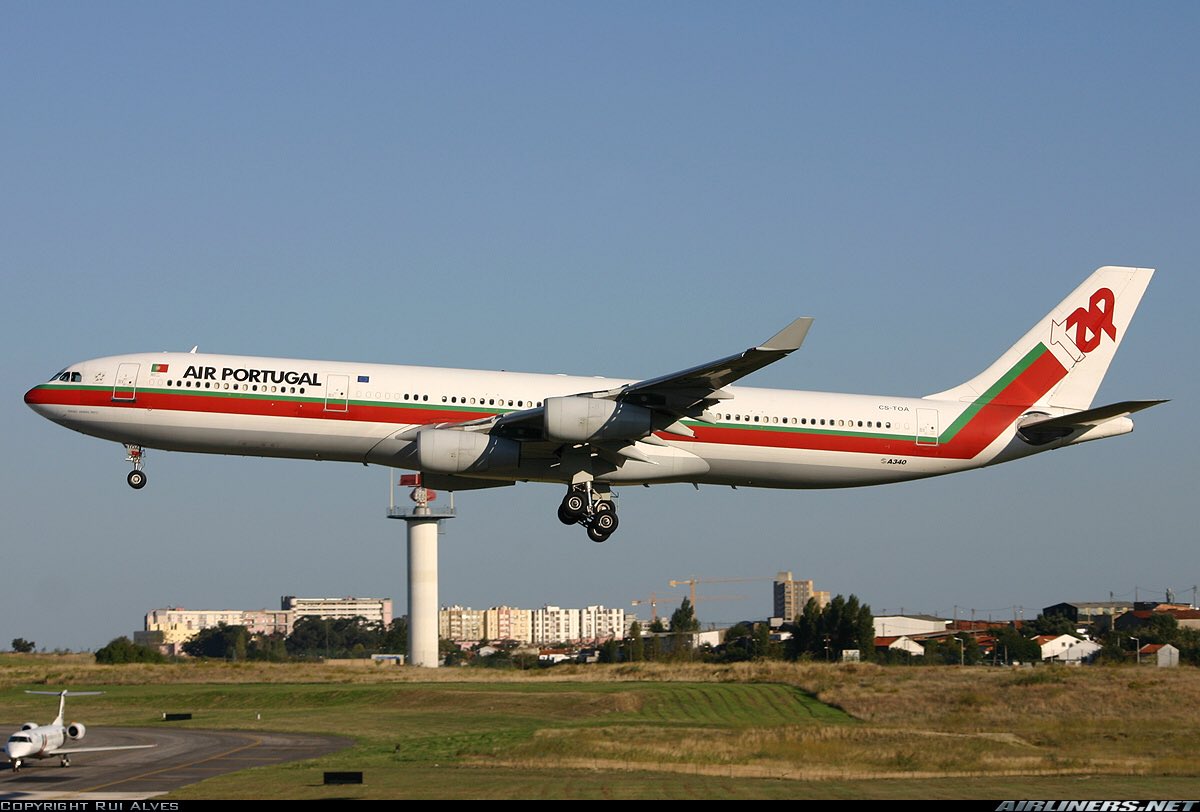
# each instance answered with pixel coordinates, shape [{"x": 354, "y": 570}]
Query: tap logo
[{"x": 1090, "y": 324}]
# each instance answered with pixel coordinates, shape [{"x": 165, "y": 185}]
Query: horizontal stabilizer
[
  {"x": 1091, "y": 417},
  {"x": 1082, "y": 426}
]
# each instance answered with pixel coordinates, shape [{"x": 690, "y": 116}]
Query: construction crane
[
  {"x": 653, "y": 601},
  {"x": 691, "y": 582}
]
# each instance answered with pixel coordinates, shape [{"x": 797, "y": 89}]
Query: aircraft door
[
  {"x": 927, "y": 427},
  {"x": 125, "y": 386},
  {"x": 337, "y": 393}
]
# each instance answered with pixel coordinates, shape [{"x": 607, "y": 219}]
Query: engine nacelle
[
  {"x": 76, "y": 730},
  {"x": 458, "y": 452},
  {"x": 581, "y": 420},
  {"x": 29, "y": 726}
]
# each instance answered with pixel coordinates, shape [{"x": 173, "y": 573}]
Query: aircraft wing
[
  {"x": 679, "y": 392},
  {"x": 685, "y": 393},
  {"x": 62, "y": 751}
]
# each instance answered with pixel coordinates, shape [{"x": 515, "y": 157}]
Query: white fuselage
[
  {"x": 35, "y": 742},
  {"x": 354, "y": 412}
]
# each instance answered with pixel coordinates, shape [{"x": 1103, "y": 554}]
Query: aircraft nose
[
  {"x": 15, "y": 750},
  {"x": 37, "y": 399}
]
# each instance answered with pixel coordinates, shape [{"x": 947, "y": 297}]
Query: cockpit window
[
  {"x": 65, "y": 377},
  {"x": 54, "y": 377},
  {"x": 76, "y": 377},
  {"x": 19, "y": 739}
]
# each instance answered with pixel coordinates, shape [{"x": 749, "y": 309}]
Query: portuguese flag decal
[{"x": 158, "y": 367}]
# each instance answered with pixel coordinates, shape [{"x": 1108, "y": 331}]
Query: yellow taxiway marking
[{"x": 254, "y": 743}]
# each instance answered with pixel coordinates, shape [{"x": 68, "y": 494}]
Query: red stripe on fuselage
[{"x": 982, "y": 429}]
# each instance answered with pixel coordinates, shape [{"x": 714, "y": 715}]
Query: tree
[
  {"x": 23, "y": 646},
  {"x": 223, "y": 641},
  {"x": 737, "y": 631},
  {"x": 806, "y": 632},
  {"x": 335, "y": 637},
  {"x": 683, "y": 619},
  {"x": 843, "y": 624},
  {"x": 962, "y": 648},
  {"x": 395, "y": 639},
  {"x": 1012, "y": 646},
  {"x": 1051, "y": 624},
  {"x": 762, "y": 648},
  {"x": 270, "y": 647},
  {"x": 610, "y": 651},
  {"x": 635, "y": 649},
  {"x": 122, "y": 650}
]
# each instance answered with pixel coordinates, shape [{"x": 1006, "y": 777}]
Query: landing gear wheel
[
  {"x": 66, "y": 762},
  {"x": 575, "y": 504},
  {"x": 136, "y": 480},
  {"x": 565, "y": 517},
  {"x": 596, "y": 534},
  {"x": 605, "y": 506},
  {"x": 605, "y": 522}
]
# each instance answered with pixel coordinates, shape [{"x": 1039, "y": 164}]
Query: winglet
[{"x": 789, "y": 338}]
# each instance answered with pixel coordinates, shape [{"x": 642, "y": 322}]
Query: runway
[{"x": 181, "y": 757}]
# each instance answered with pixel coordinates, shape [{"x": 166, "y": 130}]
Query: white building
[
  {"x": 553, "y": 624},
  {"x": 599, "y": 624},
  {"x": 900, "y": 643},
  {"x": 508, "y": 623},
  {"x": 461, "y": 624},
  {"x": 373, "y": 610},
  {"x": 1053, "y": 645},
  {"x": 178, "y": 625},
  {"x": 908, "y": 625},
  {"x": 1082, "y": 652}
]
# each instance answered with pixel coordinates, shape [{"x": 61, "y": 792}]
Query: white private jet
[
  {"x": 465, "y": 429},
  {"x": 46, "y": 741}
]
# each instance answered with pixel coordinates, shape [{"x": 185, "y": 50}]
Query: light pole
[{"x": 1138, "y": 644}]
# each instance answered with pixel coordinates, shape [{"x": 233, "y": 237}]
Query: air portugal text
[{"x": 243, "y": 375}]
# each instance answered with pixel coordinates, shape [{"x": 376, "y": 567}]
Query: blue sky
[{"x": 621, "y": 190}]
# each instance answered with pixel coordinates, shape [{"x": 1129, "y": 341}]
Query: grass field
[{"x": 767, "y": 730}]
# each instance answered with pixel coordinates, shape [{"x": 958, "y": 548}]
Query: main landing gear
[
  {"x": 595, "y": 511},
  {"x": 66, "y": 761},
  {"x": 137, "y": 477},
  {"x": 16, "y": 764}
]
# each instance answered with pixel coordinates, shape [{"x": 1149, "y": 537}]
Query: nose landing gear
[
  {"x": 137, "y": 477},
  {"x": 593, "y": 509}
]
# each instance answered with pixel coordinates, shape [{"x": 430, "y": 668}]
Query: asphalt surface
[{"x": 180, "y": 757}]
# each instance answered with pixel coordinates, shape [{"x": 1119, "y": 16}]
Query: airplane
[
  {"x": 465, "y": 429},
  {"x": 45, "y": 741}
]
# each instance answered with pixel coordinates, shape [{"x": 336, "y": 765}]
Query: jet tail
[
  {"x": 1068, "y": 352},
  {"x": 62, "y": 700}
]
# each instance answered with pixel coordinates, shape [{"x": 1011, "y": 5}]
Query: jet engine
[
  {"x": 456, "y": 452},
  {"x": 581, "y": 420},
  {"x": 29, "y": 726},
  {"x": 76, "y": 730}
]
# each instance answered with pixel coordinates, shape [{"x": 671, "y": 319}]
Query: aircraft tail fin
[
  {"x": 1066, "y": 354},
  {"x": 62, "y": 700}
]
